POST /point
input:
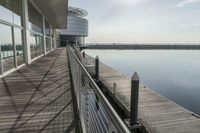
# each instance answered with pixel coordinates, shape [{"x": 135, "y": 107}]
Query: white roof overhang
[{"x": 55, "y": 11}]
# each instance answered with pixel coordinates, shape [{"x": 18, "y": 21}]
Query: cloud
[
  {"x": 190, "y": 25},
  {"x": 186, "y": 2}
]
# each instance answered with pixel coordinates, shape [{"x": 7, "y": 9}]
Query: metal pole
[
  {"x": 1, "y": 63},
  {"x": 134, "y": 99},
  {"x": 83, "y": 54},
  {"x": 97, "y": 67},
  {"x": 44, "y": 37},
  {"x": 14, "y": 49}
]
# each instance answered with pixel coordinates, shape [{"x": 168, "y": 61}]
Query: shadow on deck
[{"x": 38, "y": 97}]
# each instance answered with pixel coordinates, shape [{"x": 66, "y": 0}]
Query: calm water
[{"x": 172, "y": 73}]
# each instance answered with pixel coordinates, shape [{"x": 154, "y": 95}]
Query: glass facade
[
  {"x": 48, "y": 36},
  {"x": 48, "y": 44},
  {"x": 53, "y": 38},
  {"x": 57, "y": 43},
  {"x": 53, "y": 43},
  {"x": 6, "y": 43},
  {"x": 35, "y": 19},
  {"x": 57, "y": 37},
  {"x": 11, "y": 11},
  {"x": 36, "y": 31},
  {"x": 17, "y": 12},
  {"x": 10, "y": 30},
  {"x": 52, "y": 32},
  {"x": 19, "y": 46},
  {"x": 6, "y": 10},
  {"x": 36, "y": 44},
  {"x": 47, "y": 28},
  {"x": 12, "y": 46}
]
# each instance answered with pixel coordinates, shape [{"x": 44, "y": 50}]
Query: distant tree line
[
  {"x": 10, "y": 47},
  {"x": 138, "y": 46}
]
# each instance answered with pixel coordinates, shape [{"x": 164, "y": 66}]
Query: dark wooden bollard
[
  {"x": 114, "y": 88},
  {"x": 97, "y": 68},
  {"x": 83, "y": 54},
  {"x": 134, "y": 99}
]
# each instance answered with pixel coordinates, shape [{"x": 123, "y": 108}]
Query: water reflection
[{"x": 172, "y": 73}]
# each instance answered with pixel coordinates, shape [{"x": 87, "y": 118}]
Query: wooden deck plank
[
  {"x": 38, "y": 97},
  {"x": 157, "y": 113}
]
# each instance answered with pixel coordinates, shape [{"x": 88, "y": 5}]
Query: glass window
[
  {"x": 57, "y": 43},
  {"x": 17, "y": 12},
  {"x": 11, "y": 11},
  {"x": 53, "y": 43},
  {"x": 19, "y": 46},
  {"x": 47, "y": 28},
  {"x": 35, "y": 19},
  {"x": 6, "y": 44},
  {"x": 52, "y": 32},
  {"x": 48, "y": 44},
  {"x": 36, "y": 42},
  {"x": 6, "y": 10}
]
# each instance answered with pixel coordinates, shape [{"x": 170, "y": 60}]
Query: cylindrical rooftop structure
[{"x": 77, "y": 27}]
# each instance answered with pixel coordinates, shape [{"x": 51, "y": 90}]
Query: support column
[
  {"x": 44, "y": 37},
  {"x": 54, "y": 36},
  {"x": 83, "y": 41},
  {"x": 1, "y": 65},
  {"x": 14, "y": 48},
  {"x": 51, "y": 42},
  {"x": 26, "y": 33},
  {"x": 76, "y": 41}
]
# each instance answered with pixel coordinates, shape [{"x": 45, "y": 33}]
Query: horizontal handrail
[{"x": 118, "y": 122}]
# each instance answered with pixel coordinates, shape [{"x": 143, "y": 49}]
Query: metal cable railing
[
  {"x": 78, "y": 55},
  {"x": 96, "y": 113}
]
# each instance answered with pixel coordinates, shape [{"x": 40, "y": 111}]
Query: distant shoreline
[{"x": 142, "y": 46}]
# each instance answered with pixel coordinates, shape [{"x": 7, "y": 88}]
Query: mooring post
[
  {"x": 83, "y": 54},
  {"x": 114, "y": 88},
  {"x": 134, "y": 99},
  {"x": 97, "y": 67}
]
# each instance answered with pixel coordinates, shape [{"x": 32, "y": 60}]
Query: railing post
[
  {"x": 97, "y": 67},
  {"x": 83, "y": 54},
  {"x": 134, "y": 99}
]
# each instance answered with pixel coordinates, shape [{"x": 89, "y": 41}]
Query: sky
[{"x": 142, "y": 21}]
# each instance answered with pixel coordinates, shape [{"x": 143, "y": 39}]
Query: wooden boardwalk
[
  {"x": 156, "y": 113},
  {"x": 38, "y": 97}
]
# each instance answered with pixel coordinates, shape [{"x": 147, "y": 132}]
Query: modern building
[
  {"x": 77, "y": 27},
  {"x": 28, "y": 30}
]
